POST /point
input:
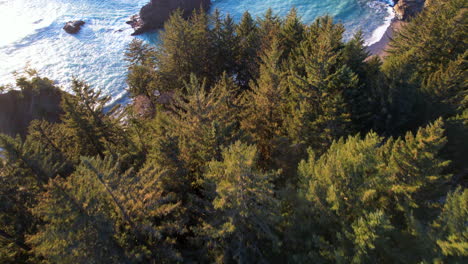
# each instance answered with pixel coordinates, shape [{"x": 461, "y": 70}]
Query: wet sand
[{"x": 380, "y": 48}]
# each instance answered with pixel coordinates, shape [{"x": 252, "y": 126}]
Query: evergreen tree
[
  {"x": 183, "y": 50},
  {"x": 265, "y": 104},
  {"x": 416, "y": 168},
  {"x": 451, "y": 229},
  {"x": 365, "y": 196},
  {"x": 317, "y": 83},
  {"x": 26, "y": 168},
  {"x": 142, "y": 78},
  {"x": 365, "y": 100},
  {"x": 100, "y": 214},
  {"x": 268, "y": 28},
  {"x": 291, "y": 34},
  {"x": 225, "y": 45},
  {"x": 203, "y": 122},
  {"x": 446, "y": 88},
  {"x": 30, "y": 161},
  {"x": 104, "y": 186},
  {"x": 98, "y": 131},
  {"x": 249, "y": 44},
  {"x": 246, "y": 209},
  {"x": 355, "y": 54},
  {"x": 457, "y": 147},
  {"x": 423, "y": 47},
  {"x": 140, "y": 53}
]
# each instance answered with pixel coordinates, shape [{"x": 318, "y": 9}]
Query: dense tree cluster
[{"x": 276, "y": 142}]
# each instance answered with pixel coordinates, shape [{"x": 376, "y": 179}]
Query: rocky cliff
[
  {"x": 405, "y": 9},
  {"x": 18, "y": 109},
  {"x": 153, "y": 15}
]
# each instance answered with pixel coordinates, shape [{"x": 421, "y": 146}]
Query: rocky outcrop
[
  {"x": 18, "y": 109},
  {"x": 73, "y": 27},
  {"x": 143, "y": 107},
  {"x": 406, "y": 9},
  {"x": 153, "y": 15},
  {"x": 137, "y": 24}
]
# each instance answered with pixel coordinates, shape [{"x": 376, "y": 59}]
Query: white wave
[
  {"x": 379, "y": 32},
  {"x": 31, "y": 32},
  {"x": 20, "y": 18}
]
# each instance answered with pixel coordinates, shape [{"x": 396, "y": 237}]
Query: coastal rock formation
[
  {"x": 405, "y": 9},
  {"x": 18, "y": 109},
  {"x": 143, "y": 107},
  {"x": 72, "y": 27},
  {"x": 153, "y": 15}
]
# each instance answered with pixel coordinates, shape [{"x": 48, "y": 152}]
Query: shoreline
[
  {"x": 380, "y": 47},
  {"x": 403, "y": 10}
]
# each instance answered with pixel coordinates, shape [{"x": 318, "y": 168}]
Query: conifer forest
[{"x": 260, "y": 141}]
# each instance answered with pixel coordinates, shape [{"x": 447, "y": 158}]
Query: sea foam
[{"x": 31, "y": 33}]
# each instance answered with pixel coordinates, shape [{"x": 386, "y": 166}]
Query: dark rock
[
  {"x": 165, "y": 98},
  {"x": 137, "y": 24},
  {"x": 406, "y": 9},
  {"x": 72, "y": 27},
  {"x": 153, "y": 15},
  {"x": 143, "y": 107},
  {"x": 18, "y": 109}
]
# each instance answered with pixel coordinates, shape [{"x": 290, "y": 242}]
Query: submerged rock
[
  {"x": 72, "y": 27},
  {"x": 153, "y": 15}
]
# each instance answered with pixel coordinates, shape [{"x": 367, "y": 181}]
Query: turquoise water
[
  {"x": 31, "y": 34},
  {"x": 366, "y": 15}
]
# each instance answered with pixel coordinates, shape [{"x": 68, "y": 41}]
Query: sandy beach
[{"x": 380, "y": 48}]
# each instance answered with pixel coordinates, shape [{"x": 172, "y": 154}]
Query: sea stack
[
  {"x": 72, "y": 27},
  {"x": 153, "y": 15}
]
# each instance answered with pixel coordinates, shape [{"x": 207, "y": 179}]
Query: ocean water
[{"x": 31, "y": 34}]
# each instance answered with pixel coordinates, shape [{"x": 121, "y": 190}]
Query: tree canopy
[{"x": 272, "y": 141}]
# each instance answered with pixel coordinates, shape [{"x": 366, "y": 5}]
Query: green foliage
[
  {"x": 356, "y": 177},
  {"x": 268, "y": 28},
  {"x": 265, "y": 104},
  {"x": 203, "y": 121},
  {"x": 426, "y": 58},
  {"x": 104, "y": 185},
  {"x": 98, "y": 130},
  {"x": 457, "y": 147},
  {"x": 318, "y": 111},
  {"x": 448, "y": 88},
  {"x": 28, "y": 167},
  {"x": 142, "y": 77},
  {"x": 291, "y": 33},
  {"x": 32, "y": 83},
  {"x": 246, "y": 209},
  {"x": 249, "y": 44},
  {"x": 224, "y": 46},
  {"x": 371, "y": 234},
  {"x": 452, "y": 232},
  {"x": 100, "y": 214},
  {"x": 183, "y": 50}
]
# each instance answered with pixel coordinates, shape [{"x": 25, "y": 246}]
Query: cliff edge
[
  {"x": 406, "y": 9},
  {"x": 19, "y": 107}
]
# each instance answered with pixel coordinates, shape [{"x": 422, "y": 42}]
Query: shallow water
[{"x": 31, "y": 33}]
